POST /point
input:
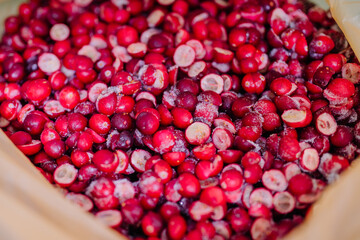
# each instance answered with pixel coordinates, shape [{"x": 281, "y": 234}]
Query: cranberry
[
  {"x": 241, "y": 106},
  {"x": 132, "y": 211},
  {"x": 177, "y": 227},
  {"x": 152, "y": 224},
  {"x": 127, "y": 35},
  {"x": 151, "y": 185},
  {"x": 323, "y": 75},
  {"x": 163, "y": 141},
  {"x": 274, "y": 180},
  {"x": 20, "y": 138},
  {"x": 100, "y": 123},
  {"x": 321, "y": 44},
  {"x": 65, "y": 174},
  {"x": 289, "y": 148},
  {"x": 284, "y": 202},
  {"x": 182, "y": 118},
  {"x": 147, "y": 123},
  {"x": 300, "y": 184},
  {"x": 36, "y": 90},
  {"x": 338, "y": 89},
  {"x": 121, "y": 122},
  {"x": 281, "y": 86},
  {"x": 252, "y": 173},
  {"x": 231, "y": 180},
  {"x": 212, "y": 82},
  {"x": 79, "y": 158},
  {"x": 342, "y": 137},
  {"x": 239, "y": 219},
  {"x": 76, "y": 122},
  {"x": 69, "y": 97},
  {"x": 34, "y": 124},
  {"x": 184, "y": 55},
  {"x": 189, "y": 185},
  {"x": 54, "y": 148},
  {"x": 105, "y": 160},
  {"x": 186, "y": 100}
]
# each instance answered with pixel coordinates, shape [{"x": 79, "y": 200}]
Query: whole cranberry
[
  {"x": 127, "y": 35},
  {"x": 55, "y": 148},
  {"x": 122, "y": 122},
  {"x": 76, "y": 122},
  {"x": 100, "y": 123},
  {"x": 34, "y": 124},
  {"x": 69, "y": 97},
  {"x": 152, "y": 224},
  {"x": 147, "y": 123}
]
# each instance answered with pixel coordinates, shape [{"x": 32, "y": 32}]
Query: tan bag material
[{"x": 32, "y": 209}]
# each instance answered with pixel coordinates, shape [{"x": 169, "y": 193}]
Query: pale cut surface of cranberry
[
  {"x": 212, "y": 82},
  {"x": 81, "y": 200},
  {"x": 284, "y": 202},
  {"x": 297, "y": 118},
  {"x": 197, "y": 133},
  {"x": 65, "y": 174},
  {"x": 59, "y": 32},
  {"x": 184, "y": 56},
  {"x": 326, "y": 124},
  {"x": 274, "y": 180},
  {"x": 111, "y": 218},
  {"x": 310, "y": 159},
  {"x": 49, "y": 63}
]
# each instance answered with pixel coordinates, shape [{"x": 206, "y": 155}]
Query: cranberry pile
[{"x": 182, "y": 119}]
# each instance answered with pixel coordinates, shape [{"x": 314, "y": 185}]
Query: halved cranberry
[
  {"x": 197, "y": 133},
  {"x": 105, "y": 160},
  {"x": 65, "y": 174}
]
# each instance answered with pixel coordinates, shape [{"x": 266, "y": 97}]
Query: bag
[{"x": 31, "y": 208}]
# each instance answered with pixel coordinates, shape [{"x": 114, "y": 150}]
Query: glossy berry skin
[
  {"x": 189, "y": 185},
  {"x": 105, "y": 160},
  {"x": 69, "y": 97},
  {"x": 253, "y": 83},
  {"x": 147, "y": 123},
  {"x": 177, "y": 227},
  {"x": 100, "y": 123},
  {"x": 152, "y": 224}
]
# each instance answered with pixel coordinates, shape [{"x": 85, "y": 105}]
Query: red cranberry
[
  {"x": 36, "y": 90},
  {"x": 127, "y": 35},
  {"x": 177, "y": 227},
  {"x": 231, "y": 180},
  {"x": 342, "y": 137},
  {"x": 147, "y": 123},
  {"x": 69, "y": 97},
  {"x": 151, "y": 185},
  {"x": 300, "y": 184},
  {"x": 105, "y": 160},
  {"x": 289, "y": 148},
  {"x": 152, "y": 224},
  {"x": 34, "y": 124},
  {"x": 189, "y": 185},
  {"x": 100, "y": 123},
  {"x": 76, "y": 122},
  {"x": 55, "y": 148},
  {"x": 182, "y": 118}
]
